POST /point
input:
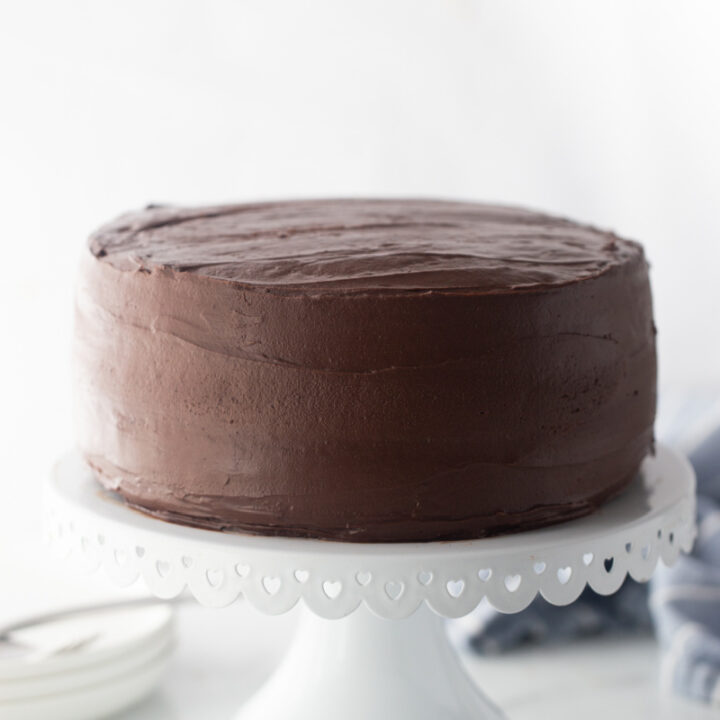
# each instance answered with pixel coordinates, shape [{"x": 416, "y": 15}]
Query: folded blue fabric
[
  {"x": 685, "y": 599},
  {"x": 684, "y": 604}
]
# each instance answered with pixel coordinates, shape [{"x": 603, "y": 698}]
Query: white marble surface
[{"x": 224, "y": 655}]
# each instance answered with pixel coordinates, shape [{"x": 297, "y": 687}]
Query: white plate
[
  {"x": 91, "y": 702},
  {"x": 29, "y": 688},
  {"x": 111, "y": 636}
]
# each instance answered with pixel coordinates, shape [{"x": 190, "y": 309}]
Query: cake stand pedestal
[{"x": 371, "y": 643}]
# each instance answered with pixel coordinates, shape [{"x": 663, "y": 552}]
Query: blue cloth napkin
[
  {"x": 685, "y": 599},
  {"x": 682, "y": 602}
]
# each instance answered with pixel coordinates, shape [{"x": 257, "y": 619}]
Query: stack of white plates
[{"x": 84, "y": 667}]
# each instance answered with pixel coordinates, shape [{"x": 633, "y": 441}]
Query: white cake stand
[{"x": 373, "y": 644}]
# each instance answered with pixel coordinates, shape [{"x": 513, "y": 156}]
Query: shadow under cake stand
[{"x": 371, "y": 643}]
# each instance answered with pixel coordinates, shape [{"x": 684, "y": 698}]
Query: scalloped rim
[{"x": 333, "y": 579}]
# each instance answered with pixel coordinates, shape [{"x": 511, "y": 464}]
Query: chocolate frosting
[{"x": 369, "y": 370}]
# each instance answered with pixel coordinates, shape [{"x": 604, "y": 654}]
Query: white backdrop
[{"x": 607, "y": 111}]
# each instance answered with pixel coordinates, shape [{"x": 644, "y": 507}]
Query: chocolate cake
[{"x": 363, "y": 370}]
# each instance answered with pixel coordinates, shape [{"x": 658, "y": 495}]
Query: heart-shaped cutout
[
  {"x": 645, "y": 552},
  {"x": 539, "y": 567},
  {"x": 671, "y": 537},
  {"x": 302, "y": 575},
  {"x": 140, "y": 551},
  {"x": 564, "y": 574},
  {"x": 163, "y": 568},
  {"x": 455, "y": 587},
  {"x": 242, "y": 570},
  {"x": 628, "y": 548},
  {"x": 394, "y": 589},
  {"x": 608, "y": 563},
  {"x": 425, "y": 577},
  {"x": 186, "y": 561},
  {"x": 332, "y": 588},
  {"x": 588, "y": 558},
  {"x": 215, "y": 578},
  {"x": 512, "y": 582},
  {"x": 363, "y": 577},
  {"x": 485, "y": 574},
  {"x": 271, "y": 585}
]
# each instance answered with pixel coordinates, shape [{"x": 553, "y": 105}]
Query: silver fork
[
  {"x": 7, "y": 631},
  {"x": 65, "y": 648}
]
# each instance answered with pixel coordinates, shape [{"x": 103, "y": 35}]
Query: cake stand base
[{"x": 363, "y": 666}]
